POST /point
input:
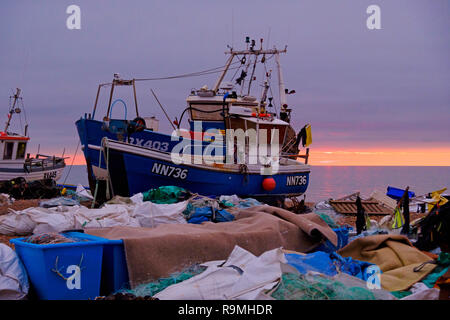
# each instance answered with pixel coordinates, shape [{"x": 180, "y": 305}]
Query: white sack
[
  {"x": 137, "y": 214},
  {"x": 110, "y": 215},
  {"x": 16, "y": 223},
  {"x": 83, "y": 192},
  {"x": 151, "y": 214},
  {"x": 13, "y": 278},
  {"x": 242, "y": 276}
]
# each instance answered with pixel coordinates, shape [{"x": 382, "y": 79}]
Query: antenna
[{"x": 232, "y": 28}]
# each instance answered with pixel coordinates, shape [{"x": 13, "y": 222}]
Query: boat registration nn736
[
  {"x": 296, "y": 180},
  {"x": 169, "y": 171}
]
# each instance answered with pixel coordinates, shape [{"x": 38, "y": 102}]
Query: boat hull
[
  {"x": 47, "y": 173},
  {"x": 133, "y": 169},
  {"x": 91, "y": 133}
]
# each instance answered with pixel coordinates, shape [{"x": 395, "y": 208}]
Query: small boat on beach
[
  {"x": 224, "y": 151},
  {"x": 15, "y": 162}
]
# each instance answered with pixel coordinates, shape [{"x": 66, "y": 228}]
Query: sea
[{"x": 338, "y": 181}]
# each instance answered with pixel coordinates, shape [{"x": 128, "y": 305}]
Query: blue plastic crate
[
  {"x": 64, "y": 271},
  {"x": 397, "y": 194},
  {"x": 114, "y": 270}
]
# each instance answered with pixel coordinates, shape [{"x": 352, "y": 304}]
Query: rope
[
  {"x": 96, "y": 180},
  {"x": 73, "y": 160},
  {"x": 192, "y": 74},
  {"x": 109, "y": 183},
  {"x": 198, "y": 73},
  {"x": 24, "y": 112}
]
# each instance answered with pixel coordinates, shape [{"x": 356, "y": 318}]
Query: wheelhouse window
[
  {"x": 21, "y": 150},
  {"x": 206, "y": 112},
  {"x": 8, "y": 152}
]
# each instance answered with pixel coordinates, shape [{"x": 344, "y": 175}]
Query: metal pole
[
  {"x": 253, "y": 73},
  {"x": 96, "y": 100},
  {"x": 227, "y": 66},
  {"x": 173, "y": 126},
  {"x": 135, "y": 99},
  {"x": 110, "y": 100},
  {"x": 283, "y": 101}
]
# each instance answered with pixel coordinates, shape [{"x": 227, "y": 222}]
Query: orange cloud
[{"x": 380, "y": 157}]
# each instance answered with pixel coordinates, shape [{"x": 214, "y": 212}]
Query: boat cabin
[
  {"x": 228, "y": 111},
  {"x": 13, "y": 148}
]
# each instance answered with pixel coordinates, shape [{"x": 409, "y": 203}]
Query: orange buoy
[{"x": 269, "y": 184}]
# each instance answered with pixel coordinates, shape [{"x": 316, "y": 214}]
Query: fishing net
[
  {"x": 49, "y": 238},
  {"x": 166, "y": 195},
  {"x": 152, "y": 288},
  {"x": 318, "y": 287},
  {"x": 202, "y": 208},
  {"x": 329, "y": 216}
]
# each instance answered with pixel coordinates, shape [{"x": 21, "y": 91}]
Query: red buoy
[{"x": 269, "y": 184}]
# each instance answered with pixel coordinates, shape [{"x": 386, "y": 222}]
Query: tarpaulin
[
  {"x": 394, "y": 255},
  {"x": 328, "y": 263},
  {"x": 206, "y": 214}
]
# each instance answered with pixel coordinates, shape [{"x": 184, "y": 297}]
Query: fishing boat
[
  {"x": 131, "y": 156},
  {"x": 15, "y": 162}
]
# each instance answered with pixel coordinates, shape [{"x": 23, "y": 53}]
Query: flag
[
  {"x": 399, "y": 220},
  {"x": 308, "y": 135}
]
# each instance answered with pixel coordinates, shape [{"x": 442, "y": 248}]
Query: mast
[
  {"x": 244, "y": 53},
  {"x": 227, "y": 66},
  {"x": 283, "y": 100},
  {"x": 254, "y": 65},
  {"x": 11, "y": 111}
]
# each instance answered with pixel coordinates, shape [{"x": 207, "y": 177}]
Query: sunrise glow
[{"x": 360, "y": 157}]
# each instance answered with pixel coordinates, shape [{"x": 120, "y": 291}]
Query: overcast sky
[{"x": 358, "y": 88}]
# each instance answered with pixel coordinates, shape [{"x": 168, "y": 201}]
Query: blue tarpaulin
[
  {"x": 205, "y": 214},
  {"x": 328, "y": 263},
  {"x": 342, "y": 234}
]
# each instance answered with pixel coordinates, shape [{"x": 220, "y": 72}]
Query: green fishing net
[
  {"x": 317, "y": 287},
  {"x": 152, "y": 288},
  {"x": 401, "y": 294},
  {"x": 329, "y": 220},
  {"x": 165, "y": 194}
]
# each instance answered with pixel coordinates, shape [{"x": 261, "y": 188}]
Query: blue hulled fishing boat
[{"x": 235, "y": 144}]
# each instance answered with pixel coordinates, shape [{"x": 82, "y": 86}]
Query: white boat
[{"x": 15, "y": 162}]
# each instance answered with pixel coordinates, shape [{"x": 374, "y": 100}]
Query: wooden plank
[
  {"x": 352, "y": 202},
  {"x": 348, "y": 207},
  {"x": 347, "y": 197}
]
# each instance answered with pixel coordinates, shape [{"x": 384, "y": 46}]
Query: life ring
[{"x": 139, "y": 124}]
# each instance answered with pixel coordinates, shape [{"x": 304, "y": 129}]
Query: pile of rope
[{"x": 48, "y": 238}]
